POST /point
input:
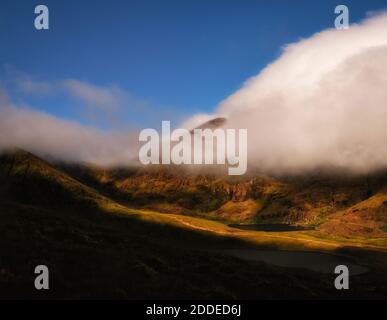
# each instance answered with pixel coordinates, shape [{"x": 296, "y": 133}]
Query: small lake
[
  {"x": 315, "y": 261},
  {"x": 270, "y": 227}
]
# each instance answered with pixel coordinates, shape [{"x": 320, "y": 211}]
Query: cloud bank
[
  {"x": 322, "y": 103},
  {"x": 51, "y": 137}
]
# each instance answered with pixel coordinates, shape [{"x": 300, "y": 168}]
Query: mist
[
  {"x": 63, "y": 140},
  {"x": 321, "y": 104}
]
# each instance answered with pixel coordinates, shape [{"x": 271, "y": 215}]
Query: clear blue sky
[{"x": 181, "y": 56}]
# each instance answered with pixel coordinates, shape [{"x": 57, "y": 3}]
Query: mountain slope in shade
[
  {"x": 28, "y": 179},
  {"x": 106, "y": 255},
  {"x": 335, "y": 204}
]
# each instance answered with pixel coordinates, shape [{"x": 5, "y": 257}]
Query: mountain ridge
[{"x": 331, "y": 203}]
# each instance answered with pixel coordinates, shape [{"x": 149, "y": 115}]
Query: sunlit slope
[
  {"x": 309, "y": 199},
  {"x": 349, "y": 207},
  {"x": 367, "y": 218},
  {"x": 116, "y": 252}
]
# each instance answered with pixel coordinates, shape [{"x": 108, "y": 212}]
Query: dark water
[
  {"x": 270, "y": 227},
  {"x": 315, "y": 261}
]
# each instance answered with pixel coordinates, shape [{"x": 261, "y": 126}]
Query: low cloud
[
  {"x": 322, "y": 103},
  {"x": 51, "y": 137},
  {"x": 48, "y": 136}
]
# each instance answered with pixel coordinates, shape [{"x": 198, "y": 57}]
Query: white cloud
[
  {"x": 46, "y": 135},
  {"x": 322, "y": 103},
  {"x": 104, "y": 98}
]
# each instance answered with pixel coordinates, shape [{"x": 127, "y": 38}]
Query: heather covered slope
[
  {"x": 96, "y": 248},
  {"x": 108, "y": 251},
  {"x": 367, "y": 218},
  {"x": 311, "y": 200}
]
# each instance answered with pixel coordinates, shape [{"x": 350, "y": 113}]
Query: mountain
[
  {"x": 317, "y": 199},
  {"x": 81, "y": 221},
  {"x": 28, "y": 179},
  {"x": 212, "y": 124},
  {"x": 367, "y": 218},
  {"x": 337, "y": 204},
  {"x": 96, "y": 248}
]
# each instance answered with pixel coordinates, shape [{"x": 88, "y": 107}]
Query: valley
[{"x": 100, "y": 244}]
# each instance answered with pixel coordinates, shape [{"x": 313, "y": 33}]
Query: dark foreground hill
[{"x": 96, "y": 248}]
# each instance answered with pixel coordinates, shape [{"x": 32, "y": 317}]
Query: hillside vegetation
[
  {"x": 96, "y": 248},
  {"x": 319, "y": 200}
]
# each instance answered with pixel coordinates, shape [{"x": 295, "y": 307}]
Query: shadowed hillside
[
  {"x": 109, "y": 252},
  {"x": 28, "y": 179},
  {"x": 96, "y": 248}
]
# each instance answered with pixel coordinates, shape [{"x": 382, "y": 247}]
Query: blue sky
[{"x": 156, "y": 58}]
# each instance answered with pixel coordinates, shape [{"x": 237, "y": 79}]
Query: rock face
[
  {"x": 212, "y": 124},
  {"x": 335, "y": 203},
  {"x": 327, "y": 200}
]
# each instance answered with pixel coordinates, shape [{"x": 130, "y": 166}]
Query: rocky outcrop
[{"x": 308, "y": 199}]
